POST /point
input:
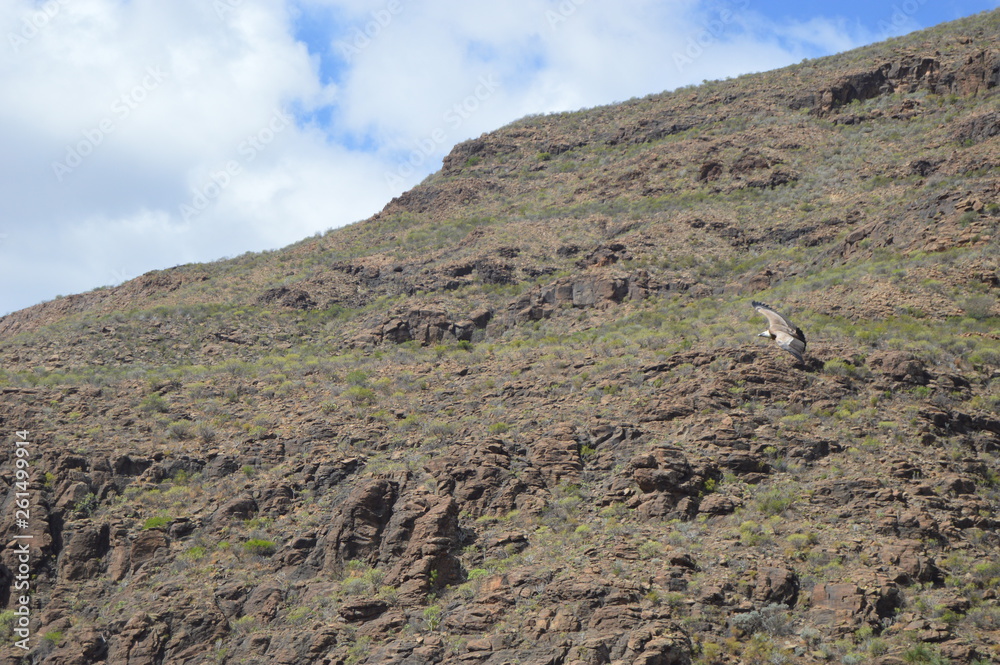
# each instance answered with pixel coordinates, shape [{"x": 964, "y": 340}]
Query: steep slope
[{"x": 520, "y": 415}]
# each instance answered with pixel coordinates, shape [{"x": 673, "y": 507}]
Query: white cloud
[{"x": 148, "y": 105}]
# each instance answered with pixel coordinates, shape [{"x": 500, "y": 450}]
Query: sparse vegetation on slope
[{"x": 520, "y": 415}]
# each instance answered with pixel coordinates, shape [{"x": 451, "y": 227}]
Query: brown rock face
[
  {"x": 479, "y": 478},
  {"x": 423, "y": 538},
  {"x": 143, "y": 641},
  {"x": 411, "y": 534},
  {"x": 837, "y": 603},
  {"x": 363, "y": 610},
  {"x": 900, "y": 367},
  {"x": 776, "y": 585},
  {"x": 978, "y": 72},
  {"x": 910, "y": 563},
  {"x": 82, "y": 556},
  {"x": 426, "y": 326},
  {"x": 844, "y": 604},
  {"x": 557, "y": 456},
  {"x": 670, "y": 485},
  {"x": 146, "y": 546},
  {"x": 358, "y": 528},
  {"x": 286, "y": 297},
  {"x": 240, "y": 508}
]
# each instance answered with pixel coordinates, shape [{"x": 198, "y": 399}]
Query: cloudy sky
[{"x": 143, "y": 134}]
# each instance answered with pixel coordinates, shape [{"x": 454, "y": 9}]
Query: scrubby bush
[
  {"x": 259, "y": 547},
  {"x": 773, "y": 619}
]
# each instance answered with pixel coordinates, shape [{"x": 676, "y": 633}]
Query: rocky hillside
[{"x": 520, "y": 416}]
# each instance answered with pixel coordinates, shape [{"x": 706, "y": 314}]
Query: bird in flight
[{"x": 785, "y": 335}]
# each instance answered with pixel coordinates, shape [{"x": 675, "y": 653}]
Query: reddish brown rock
[
  {"x": 670, "y": 485},
  {"x": 146, "y": 545},
  {"x": 421, "y": 545},
  {"x": 836, "y": 603},
  {"x": 900, "y": 366},
  {"x": 362, "y": 610},
  {"x": 82, "y": 555},
  {"x": 479, "y": 477},
  {"x": 776, "y": 585},
  {"x": 557, "y": 455},
  {"x": 358, "y": 526},
  {"x": 264, "y": 601},
  {"x": 240, "y": 508},
  {"x": 142, "y": 641},
  {"x": 911, "y": 563}
]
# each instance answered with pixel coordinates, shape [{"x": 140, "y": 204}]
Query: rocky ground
[{"x": 520, "y": 416}]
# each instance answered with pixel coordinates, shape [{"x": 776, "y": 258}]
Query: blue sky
[{"x": 144, "y": 134}]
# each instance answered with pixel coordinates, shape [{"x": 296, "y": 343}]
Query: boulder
[
  {"x": 362, "y": 610},
  {"x": 776, "y": 585},
  {"x": 358, "y": 525},
  {"x": 557, "y": 455},
  {"x": 900, "y": 366},
  {"x": 83, "y": 552},
  {"x": 240, "y": 508}
]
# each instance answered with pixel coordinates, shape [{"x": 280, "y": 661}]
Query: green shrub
[
  {"x": 154, "y": 403},
  {"x": 354, "y": 586},
  {"x": 87, "y": 505},
  {"x": 802, "y": 541},
  {"x": 650, "y": 549},
  {"x": 359, "y": 395},
  {"x": 921, "y": 654},
  {"x": 357, "y": 378},
  {"x": 195, "y": 553},
  {"x": 205, "y": 432},
  {"x": 432, "y": 616},
  {"x": 180, "y": 430},
  {"x": 260, "y": 547},
  {"x": 752, "y": 534},
  {"x": 155, "y": 522},
  {"x": 987, "y": 573},
  {"x": 774, "y": 500},
  {"x": 773, "y": 619},
  {"x": 7, "y": 620}
]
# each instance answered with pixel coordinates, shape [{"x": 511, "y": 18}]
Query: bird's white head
[{"x": 766, "y": 333}]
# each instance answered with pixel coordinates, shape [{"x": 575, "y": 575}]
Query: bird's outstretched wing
[
  {"x": 785, "y": 334},
  {"x": 793, "y": 345},
  {"x": 776, "y": 322}
]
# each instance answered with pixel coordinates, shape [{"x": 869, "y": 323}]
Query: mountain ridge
[{"x": 520, "y": 414}]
